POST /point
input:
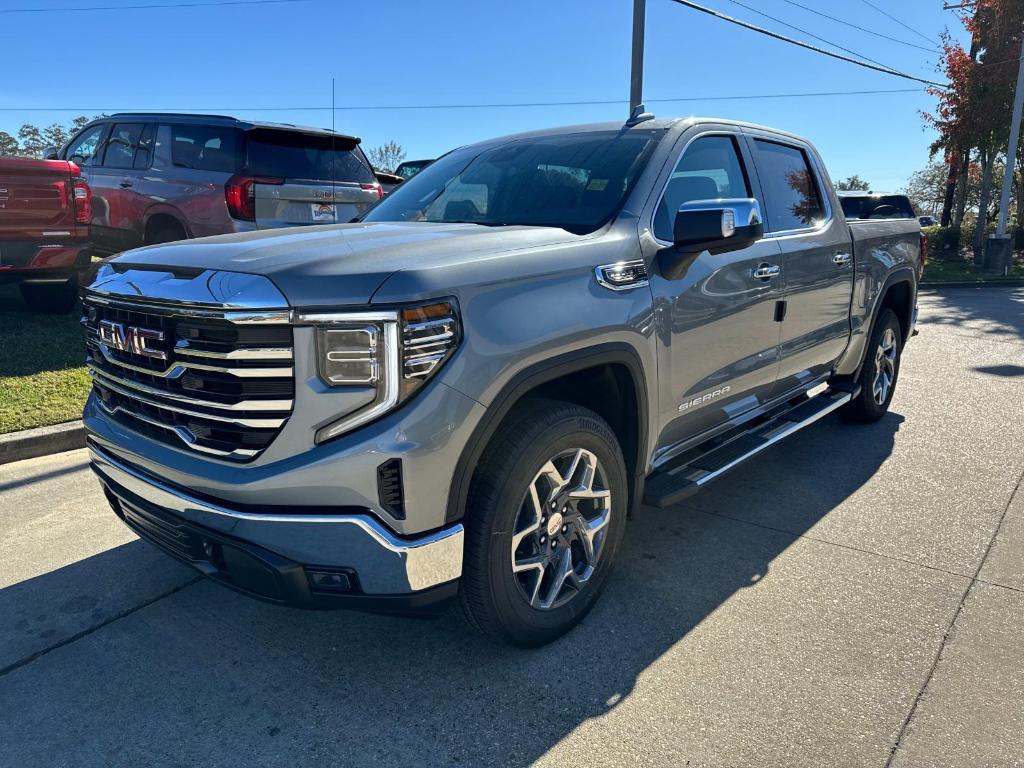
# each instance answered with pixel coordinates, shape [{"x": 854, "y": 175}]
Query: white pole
[{"x": 1011, "y": 154}]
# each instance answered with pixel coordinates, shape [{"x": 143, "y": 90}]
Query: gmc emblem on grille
[{"x": 134, "y": 341}]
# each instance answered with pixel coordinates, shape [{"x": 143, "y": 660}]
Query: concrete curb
[
  {"x": 1014, "y": 283},
  {"x": 30, "y": 443}
]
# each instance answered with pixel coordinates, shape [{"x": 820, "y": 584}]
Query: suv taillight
[
  {"x": 240, "y": 195},
  {"x": 83, "y": 201},
  {"x": 376, "y": 187},
  {"x": 923, "y": 256}
]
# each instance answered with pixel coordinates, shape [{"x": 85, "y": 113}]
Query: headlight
[{"x": 393, "y": 351}]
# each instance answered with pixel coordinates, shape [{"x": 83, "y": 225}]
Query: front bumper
[{"x": 275, "y": 556}]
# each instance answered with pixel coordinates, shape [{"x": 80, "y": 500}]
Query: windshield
[{"x": 574, "y": 181}]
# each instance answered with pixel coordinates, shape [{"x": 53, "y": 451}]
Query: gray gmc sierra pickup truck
[{"x": 465, "y": 393}]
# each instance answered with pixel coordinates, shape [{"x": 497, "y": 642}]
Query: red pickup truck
[{"x": 45, "y": 206}]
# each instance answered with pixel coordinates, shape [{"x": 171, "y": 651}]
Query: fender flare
[
  {"x": 902, "y": 274},
  {"x": 529, "y": 379}
]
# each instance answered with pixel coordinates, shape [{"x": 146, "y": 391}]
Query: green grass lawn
[
  {"x": 936, "y": 271},
  {"x": 42, "y": 375}
]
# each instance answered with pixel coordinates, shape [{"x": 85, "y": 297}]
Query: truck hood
[{"x": 342, "y": 264}]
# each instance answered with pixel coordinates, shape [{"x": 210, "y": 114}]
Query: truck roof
[{"x": 653, "y": 123}]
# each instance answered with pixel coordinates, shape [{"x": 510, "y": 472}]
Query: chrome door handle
[
  {"x": 841, "y": 259},
  {"x": 766, "y": 271}
]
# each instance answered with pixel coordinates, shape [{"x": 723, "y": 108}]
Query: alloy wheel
[
  {"x": 560, "y": 529},
  {"x": 885, "y": 366}
]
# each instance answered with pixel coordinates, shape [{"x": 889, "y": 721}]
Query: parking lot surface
[{"x": 853, "y": 597}]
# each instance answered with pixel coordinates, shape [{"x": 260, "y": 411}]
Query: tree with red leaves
[{"x": 973, "y": 113}]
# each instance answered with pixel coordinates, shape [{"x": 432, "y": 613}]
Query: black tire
[
  {"x": 50, "y": 298},
  {"x": 165, "y": 233},
  {"x": 871, "y": 405},
  {"x": 492, "y": 597}
]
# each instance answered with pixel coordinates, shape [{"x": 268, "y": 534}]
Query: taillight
[
  {"x": 83, "y": 201},
  {"x": 924, "y": 254},
  {"x": 240, "y": 195},
  {"x": 376, "y": 187}
]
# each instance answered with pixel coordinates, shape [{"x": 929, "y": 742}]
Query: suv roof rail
[{"x": 172, "y": 114}]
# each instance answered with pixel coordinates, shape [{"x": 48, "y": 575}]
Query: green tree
[
  {"x": 927, "y": 188},
  {"x": 8, "y": 145},
  {"x": 32, "y": 141},
  {"x": 55, "y": 135},
  {"x": 387, "y": 156},
  {"x": 853, "y": 184}
]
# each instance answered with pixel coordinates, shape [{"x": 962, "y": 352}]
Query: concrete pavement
[{"x": 854, "y": 597}]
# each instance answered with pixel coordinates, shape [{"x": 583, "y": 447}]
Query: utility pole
[
  {"x": 1000, "y": 247},
  {"x": 636, "y": 78}
]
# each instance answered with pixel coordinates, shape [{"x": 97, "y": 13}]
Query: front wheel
[
  {"x": 880, "y": 371},
  {"x": 51, "y": 298},
  {"x": 546, "y": 514}
]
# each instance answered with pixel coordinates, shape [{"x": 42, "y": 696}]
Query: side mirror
[
  {"x": 50, "y": 153},
  {"x": 718, "y": 226}
]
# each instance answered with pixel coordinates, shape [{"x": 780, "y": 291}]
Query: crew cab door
[
  {"x": 817, "y": 258},
  {"x": 720, "y": 351}
]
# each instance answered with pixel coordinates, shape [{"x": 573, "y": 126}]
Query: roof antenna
[{"x": 636, "y": 80}]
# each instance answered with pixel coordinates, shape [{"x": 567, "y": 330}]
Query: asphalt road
[{"x": 854, "y": 597}]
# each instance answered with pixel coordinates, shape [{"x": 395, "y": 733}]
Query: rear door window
[
  {"x": 83, "y": 149},
  {"x": 205, "y": 148},
  {"x": 297, "y": 155},
  {"x": 122, "y": 145},
  {"x": 144, "y": 154},
  {"x": 710, "y": 169},
  {"x": 791, "y": 193}
]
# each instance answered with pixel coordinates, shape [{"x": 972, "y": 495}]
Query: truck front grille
[{"x": 197, "y": 380}]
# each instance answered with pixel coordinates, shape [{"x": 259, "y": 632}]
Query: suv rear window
[
  {"x": 296, "y": 155},
  {"x": 204, "y": 148},
  {"x": 877, "y": 207}
]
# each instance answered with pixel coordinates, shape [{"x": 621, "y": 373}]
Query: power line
[
  {"x": 808, "y": 46},
  {"x": 383, "y": 107},
  {"x": 862, "y": 29},
  {"x": 150, "y": 6},
  {"x": 902, "y": 24},
  {"x": 806, "y": 32}
]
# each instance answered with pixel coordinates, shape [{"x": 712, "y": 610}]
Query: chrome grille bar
[
  {"x": 178, "y": 368},
  {"x": 247, "y": 353},
  {"x": 252, "y": 423},
  {"x": 238, "y": 405},
  {"x": 183, "y": 434}
]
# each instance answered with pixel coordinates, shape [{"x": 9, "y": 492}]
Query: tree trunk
[
  {"x": 988, "y": 160},
  {"x": 963, "y": 188},
  {"x": 1019, "y": 220},
  {"x": 951, "y": 184}
]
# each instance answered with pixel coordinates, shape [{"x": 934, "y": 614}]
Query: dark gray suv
[{"x": 163, "y": 177}]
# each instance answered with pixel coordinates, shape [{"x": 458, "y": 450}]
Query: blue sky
[{"x": 245, "y": 60}]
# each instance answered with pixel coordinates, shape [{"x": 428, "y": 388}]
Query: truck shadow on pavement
[{"x": 207, "y": 676}]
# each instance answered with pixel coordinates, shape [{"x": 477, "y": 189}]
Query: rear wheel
[
  {"x": 547, "y": 510},
  {"x": 164, "y": 232},
  {"x": 50, "y": 298},
  {"x": 880, "y": 371}
]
